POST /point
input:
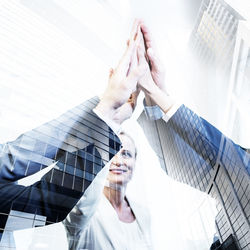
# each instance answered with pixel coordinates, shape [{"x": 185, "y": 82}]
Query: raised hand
[
  {"x": 156, "y": 66},
  {"x": 123, "y": 82},
  {"x": 155, "y": 93}
]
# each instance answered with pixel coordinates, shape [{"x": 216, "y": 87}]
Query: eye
[{"x": 126, "y": 154}]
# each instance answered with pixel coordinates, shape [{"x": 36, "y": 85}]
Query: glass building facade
[
  {"x": 217, "y": 43},
  {"x": 78, "y": 144},
  {"x": 213, "y": 37},
  {"x": 223, "y": 174},
  {"x": 67, "y": 142}
]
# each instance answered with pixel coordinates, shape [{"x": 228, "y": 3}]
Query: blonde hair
[{"x": 130, "y": 137}]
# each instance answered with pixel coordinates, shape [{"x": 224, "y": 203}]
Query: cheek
[
  {"x": 131, "y": 172},
  {"x": 131, "y": 165}
]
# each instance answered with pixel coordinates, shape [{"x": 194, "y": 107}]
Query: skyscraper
[
  {"x": 213, "y": 37},
  {"x": 218, "y": 47},
  {"x": 221, "y": 173}
]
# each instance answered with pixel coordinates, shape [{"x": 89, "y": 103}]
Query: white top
[
  {"x": 93, "y": 223},
  {"x": 106, "y": 231}
]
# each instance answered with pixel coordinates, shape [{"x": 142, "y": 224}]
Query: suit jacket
[
  {"x": 194, "y": 149},
  {"x": 80, "y": 144},
  {"x": 198, "y": 154}
]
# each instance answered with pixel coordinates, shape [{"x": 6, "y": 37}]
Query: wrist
[
  {"x": 161, "y": 98},
  {"x": 153, "y": 93},
  {"x": 106, "y": 109}
]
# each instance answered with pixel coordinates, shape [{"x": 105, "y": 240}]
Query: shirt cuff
[
  {"x": 171, "y": 111},
  {"x": 155, "y": 113},
  {"x": 113, "y": 125}
]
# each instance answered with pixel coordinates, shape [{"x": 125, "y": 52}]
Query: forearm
[
  {"x": 155, "y": 96},
  {"x": 79, "y": 141},
  {"x": 53, "y": 141}
]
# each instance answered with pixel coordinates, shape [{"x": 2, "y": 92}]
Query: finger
[
  {"x": 142, "y": 44},
  {"x": 133, "y": 61},
  {"x": 133, "y": 98},
  {"x": 135, "y": 75},
  {"x": 147, "y": 36},
  {"x": 139, "y": 36},
  {"x": 111, "y": 72},
  {"x": 134, "y": 39},
  {"x": 141, "y": 56},
  {"x": 133, "y": 34},
  {"x": 154, "y": 60},
  {"x": 128, "y": 42},
  {"x": 125, "y": 62}
]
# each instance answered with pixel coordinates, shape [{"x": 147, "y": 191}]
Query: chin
[{"x": 118, "y": 182}]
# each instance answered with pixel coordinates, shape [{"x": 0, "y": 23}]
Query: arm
[
  {"x": 122, "y": 79},
  {"x": 190, "y": 140},
  {"x": 191, "y": 143},
  {"x": 55, "y": 141},
  {"x": 81, "y": 144}
]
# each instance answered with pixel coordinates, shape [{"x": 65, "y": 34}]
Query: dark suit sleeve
[
  {"x": 194, "y": 148},
  {"x": 80, "y": 144}
]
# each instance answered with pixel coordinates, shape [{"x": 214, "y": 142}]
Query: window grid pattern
[
  {"x": 240, "y": 228},
  {"x": 150, "y": 130},
  {"x": 213, "y": 37},
  {"x": 239, "y": 175},
  {"x": 190, "y": 158},
  {"x": 19, "y": 220},
  {"x": 79, "y": 144}
]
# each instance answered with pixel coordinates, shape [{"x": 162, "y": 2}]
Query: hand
[
  {"x": 123, "y": 81},
  {"x": 157, "y": 68},
  {"x": 146, "y": 82},
  {"x": 154, "y": 95},
  {"x": 126, "y": 110}
]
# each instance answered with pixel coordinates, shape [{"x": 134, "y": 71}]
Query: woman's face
[{"x": 122, "y": 167}]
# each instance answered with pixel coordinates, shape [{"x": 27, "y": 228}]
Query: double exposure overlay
[{"x": 73, "y": 178}]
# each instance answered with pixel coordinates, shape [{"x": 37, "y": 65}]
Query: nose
[{"x": 118, "y": 160}]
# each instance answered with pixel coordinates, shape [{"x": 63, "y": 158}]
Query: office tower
[
  {"x": 220, "y": 43},
  {"x": 215, "y": 179},
  {"x": 222, "y": 173},
  {"x": 211, "y": 44},
  {"x": 236, "y": 122},
  {"x": 36, "y": 54},
  {"x": 78, "y": 143},
  {"x": 213, "y": 37},
  {"x": 18, "y": 221}
]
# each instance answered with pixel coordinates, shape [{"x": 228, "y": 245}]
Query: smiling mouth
[{"x": 118, "y": 171}]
